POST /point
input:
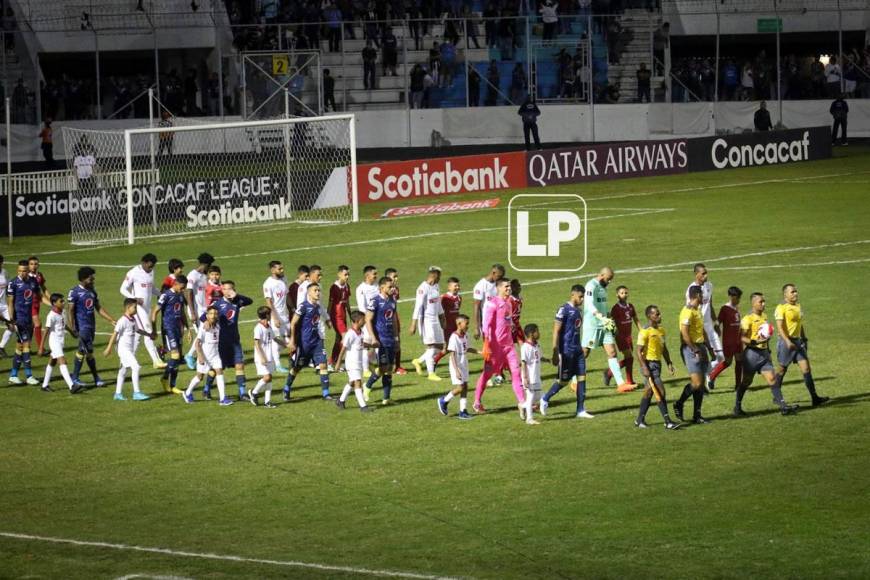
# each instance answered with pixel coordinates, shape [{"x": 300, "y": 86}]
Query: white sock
[
  {"x": 152, "y": 349},
  {"x": 122, "y": 372},
  {"x": 64, "y": 371},
  {"x": 360, "y": 398},
  {"x": 530, "y": 397},
  {"x": 136, "y": 379},
  {"x": 613, "y": 364},
  {"x": 47, "y": 378},
  {"x": 258, "y": 387},
  {"x": 448, "y": 396},
  {"x": 222, "y": 387},
  {"x": 276, "y": 353},
  {"x": 268, "y": 396},
  {"x": 7, "y": 334},
  {"x": 463, "y": 404},
  {"x": 345, "y": 393},
  {"x": 193, "y": 383},
  {"x": 431, "y": 352},
  {"x": 365, "y": 359}
]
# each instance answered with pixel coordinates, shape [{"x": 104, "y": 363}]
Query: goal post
[{"x": 207, "y": 177}]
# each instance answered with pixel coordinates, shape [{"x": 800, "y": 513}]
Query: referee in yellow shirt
[
  {"x": 756, "y": 357},
  {"x": 792, "y": 344},
  {"x": 651, "y": 349},
  {"x": 694, "y": 353}
]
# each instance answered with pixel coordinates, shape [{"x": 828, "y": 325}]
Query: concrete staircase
[{"x": 643, "y": 24}]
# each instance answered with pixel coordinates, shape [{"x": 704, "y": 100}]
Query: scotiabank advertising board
[{"x": 394, "y": 180}]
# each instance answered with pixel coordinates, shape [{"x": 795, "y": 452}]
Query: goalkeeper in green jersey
[{"x": 599, "y": 329}]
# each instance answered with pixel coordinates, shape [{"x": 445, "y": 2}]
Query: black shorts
[
  {"x": 571, "y": 365},
  {"x": 386, "y": 356},
  {"x": 756, "y": 360},
  {"x": 86, "y": 341},
  {"x": 314, "y": 353}
]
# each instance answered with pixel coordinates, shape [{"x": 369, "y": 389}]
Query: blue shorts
[
  {"x": 386, "y": 356},
  {"x": 571, "y": 365},
  {"x": 86, "y": 341},
  {"x": 231, "y": 354},
  {"x": 311, "y": 353},
  {"x": 172, "y": 339},
  {"x": 24, "y": 331}
]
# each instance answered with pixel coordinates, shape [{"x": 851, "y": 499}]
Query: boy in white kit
[
  {"x": 530, "y": 369},
  {"x": 352, "y": 350},
  {"x": 208, "y": 357},
  {"x": 457, "y": 347},
  {"x": 138, "y": 284},
  {"x": 55, "y": 326},
  {"x": 126, "y": 330},
  {"x": 264, "y": 361}
]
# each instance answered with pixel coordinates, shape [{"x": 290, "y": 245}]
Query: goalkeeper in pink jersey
[{"x": 497, "y": 330}]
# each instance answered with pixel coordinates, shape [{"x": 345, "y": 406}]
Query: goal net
[{"x": 202, "y": 177}]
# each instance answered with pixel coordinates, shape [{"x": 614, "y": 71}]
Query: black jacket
[{"x": 762, "y": 120}]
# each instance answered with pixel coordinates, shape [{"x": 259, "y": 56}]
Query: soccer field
[{"x": 95, "y": 488}]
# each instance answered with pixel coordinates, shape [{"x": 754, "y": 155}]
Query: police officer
[
  {"x": 840, "y": 111},
  {"x": 530, "y": 112}
]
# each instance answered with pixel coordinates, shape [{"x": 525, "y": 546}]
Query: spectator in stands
[
  {"x": 529, "y": 113},
  {"x": 435, "y": 63},
  {"x": 549, "y": 16},
  {"x": 850, "y": 77},
  {"x": 707, "y": 77},
  {"x": 747, "y": 85},
  {"x": 832, "y": 77},
  {"x": 47, "y": 144},
  {"x": 450, "y": 33},
  {"x": 416, "y": 86},
  {"x": 328, "y": 91},
  {"x": 507, "y": 35},
  {"x": 470, "y": 26},
  {"x": 448, "y": 63},
  {"x": 347, "y": 15},
  {"x": 492, "y": 81},
  {"x": 332, "y": 15},
  {"x": 643, "y": 83},
  {"x": 390, "y": 52},
  {"x": 369, "y": 56},
  {"x": 213, "y": 90},
  {"x": 565, "y": 64},
  {"x": 661, "y": 40},
  {"x": 473, "y": 87},
  {"x": 19, "y": 102},
  {"x": 190, "y": 91},
  {"x": 519, "y": 84},
  {"x": 166, "y": 138},
  {"x": 840, "y": 112},
  {"x": 730, "y": 80},
  {"x": 428, "y": 83},
  {"x": 490, "y": 23},
  {"x": 312, "y": 20},
  {"x": 762, "y": 118},
  {"x": 412, "y": 9}
]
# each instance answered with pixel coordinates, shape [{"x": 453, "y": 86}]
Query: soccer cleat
[
  {"x": 433, "y": 377},
  {"x": 478, "y": 408},
  {"x": 285, "y": 396},
  {"x": 367, "y": 373},
  {"x": 340, "y": 404},
  {"x": 522, "y": 409},
  {"x": 253, "y": 398},
  {"x": 328, "y": 397},
  {"x": 700, "y": 420},
  {"x": 330, "y": 368},
  {"x": 140, "y": 396},
  {"x": 15, "y": 381},
  {"x": 711, "y": 384},
  {"x": 191, "y": 361},
  {"x": 76, "y": 388},
  {"x": 270, "y": 405},
  {"x": 464, "y": 416},
  {"x": 545, "y": 404},
  {"x": 366, "y": 410},
  {"x": 442, "y": 406},
  {"x": 678, "y": 410},
  {"x": 159, "y": 364},
  {"x": 489, "y": 383},
  {"x": 164, "y": 382},
  {"x": 206, "y": 394},
  {"x": 244, "y": 398},
  {"x": 3, "y": 353},
  {"x": 176, "y": 391},
  {"x": 789, "y": 410},
  {"x": 640, "y": 424},
  {"x": 282, "y": 370},
  {"x": 401, "y": 371},
  {"x": 367, "y": 392},
  {"x": 585, "y": 415},
  {"x": 187, "y": 398},
  {"x": 739, "y": 412},
  {"x": 387, "y": 402},
  {"x": 119, "y": 397},
  {"x": 817, "y": 401},
  {"x": 532, "y": 422},
  {"x": 226, "y": 402},
  {"x": 32, "y": 381},
  {"x": 671, "y": 426},
  {"x": 99, "y": 384},
  {"x": 626, "y": 387},
  {"x": 607, "y": 378},
  {"x": 417, "y": 366},
  {"x": 46, "y": 389}
]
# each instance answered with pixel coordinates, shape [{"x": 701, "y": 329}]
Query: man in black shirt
[
  {"x": 643, "y": 83},
  {"x": 762, "y": 118},
  {"x": 328, "y": 90},
  {"x": 840, "y": 112},
  {"x": 369, "y": 56},
  {"x": 530, "y": 112}
]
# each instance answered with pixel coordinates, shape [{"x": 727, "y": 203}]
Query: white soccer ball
[
  {"x": 765, "y": 331},
  {"x": 497, "y": 380}
]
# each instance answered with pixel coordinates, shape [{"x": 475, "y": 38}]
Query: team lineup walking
[{"x": 204, "y": 310}]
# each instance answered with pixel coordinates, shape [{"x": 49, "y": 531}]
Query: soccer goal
[{"x": 204, "y": 177}]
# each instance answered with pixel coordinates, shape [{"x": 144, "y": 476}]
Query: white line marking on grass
[
  {"x": 762, "y": 267},
  {"x": 227, "y": 558},
  {"x": 152, "y": 577},
  {"x": 78, "y": 265}
]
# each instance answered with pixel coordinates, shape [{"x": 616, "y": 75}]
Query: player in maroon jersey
[
  {"x": 33, "y": 272},
  {"x": 176, "y": 268},
  {"x": 451, "y": 303},
  {"x": 213, "y": 287},
  {"x": 338, "y": 309},
  {"x": 732, "y": 347},
  {"x": 393, "y": 275},
  {"x": 517, "y": 311},
  {"x": 293, "y": 290},
  {"x": 624, "y": 315}
]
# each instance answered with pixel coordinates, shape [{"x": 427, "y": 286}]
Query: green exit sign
[{"x": 770, "y": 25}]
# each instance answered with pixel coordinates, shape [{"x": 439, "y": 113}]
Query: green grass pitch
[{"x": 305, "y": 491}]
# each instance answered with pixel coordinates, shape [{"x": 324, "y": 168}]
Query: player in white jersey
[
  {"x": 365, "y": 293},
  {"x": 711, "y": 324},
  {"x": 315, "y": 273},
  {"x": 275, "y": 293},
  {"x": 530, "y": 368},
  {"x": 457, "y": 347},
  {"x": 429, "y": 317},
  {"x": 264, "y": 361},
  {"x": 483, "y": 291},
  {"x": 208, "y": 357},
  {"x": 195, "y": 295},
  {"x": 127, "y": 332},
  {"x": 352, "y": 351},
  {"x": 138, "y": 284},
  {"x": 55, "y": 327}
]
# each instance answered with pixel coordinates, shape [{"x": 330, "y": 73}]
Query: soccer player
[
  {"x": 792, "y": 344},
  {"x": 264, "y": 361},
  {"x": 301, "y": 278},
  {"x": 451, "y": 304},
  {"x": 208, "y": 358},
  {"x": 126, "y": 332},
  {"x": 339, "y": 304},
  {"x": 352, "y": 349},
  {"x": 517, "y": 311},
  {"x": 315, "y": 273},
  {"x": 306, "y": 341},
  {"x": 694, "y": 353},
  {"x": 42, "y": 296},
  {"x": 173, "y": 317},
  {"x": 139, "y": 285},
  {"x": 457, "y": 346},
  {"x": 383, "y": 328},
  {"x": 484, "y": 290},
  {"x": 365, "y": 291},
  {"x": 732, "y": 345},
  {"x": 393, "y": 275},
  {"x": 82, "y": 306},
  {"x": 710, "y": 325},
  {"x": 598, "y": 328},
  {"x": 651, "y": 349},
  {"x": 213, "y": 286},
  {"x": 275, "y": 293},
  {"x": 429, "y": 316},
  {"x": 499, "y": 345},
  {"x": 4, "y": 310},
  {"x": 195, "y": 295},
  {"x": 176, "y": 269},
  {"x": 530, "y": 363},
  {"x": 756, "y": 357},
  {"x": 55, "y": 327},
  {"x": 230, "y": 345},
  {"x": 22, "y": 291},
  {"x": 568, "y": 355},
  {"x": 623, "y": 315}
]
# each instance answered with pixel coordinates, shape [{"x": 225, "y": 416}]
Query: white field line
[
  {"x": 152, "y": 577},
  {"x": 763, "y": 267},
  {"x": 227, "y": 558},
  {"x": 604, "y": 197}
]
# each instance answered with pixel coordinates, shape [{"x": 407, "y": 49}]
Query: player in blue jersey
[
  {"x": 82, "y": 307},
  {"x": 568, "y": 353},
  {"x": 307, "y": 331},
  {"x": 172, "y": 307},
  {"x": 21, "y": 292},
  {"x": 383, "y": 327},
  {"x": 230, "y": 345}
]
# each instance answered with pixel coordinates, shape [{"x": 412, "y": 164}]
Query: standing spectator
[
  {"x": 165, "y": 138},
  {"x": 328, "y": 91},
  {"x": 470, "y": 26},
  {"x": 746, "y": 83},
  {"x": 370, "y": 30},
  {"x": 492, "y": 80},
  {"x": 708, "y": 81},
  {"x": 490, "y": 15},
  {"x": 506, "y": 36},
  {"x": 391, "y": 53},
  {"x": 347, "y": 10},
  {"x": 333, "y": 25},
  {"x": 435, "y": 63},
  {"x": 450, "y": 33},
  {"x": 473, "y": 87},
  {"x": 414, "y": 14},
  {"x": 448, "y": 62},
  {"x": 190, "y": 91},
  {"x": 369, "y": 56},
  {"x": 730, "y": 80},
  {"x": 214, "y": 94},
  {"x": 529, "y": 112},
  {"x": 19, "y": 102},
  {"x": 550, "y": 18},
  {"x": 644, "y": 75},
  {"x": 418, "y": 75},
  {"x": 832, "y": 77},
  {"x": 47, "y": 144},
  {"x": 840, "y": 112},
  {"x": 762, "y": 118},
  {"x": 519, "y": 83}
]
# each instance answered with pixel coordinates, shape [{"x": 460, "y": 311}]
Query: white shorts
[
  {"x": 128, "y": 359},
  {"x": 211, "y": 363},
  {"x": 458, "y": 376},
  {"x": 354, "y": 374},
  {"x": 55, "y": 345},
  {"x": 715, "y": 341},
  {"x": 4, "y": 311},
  {"x": 534, "y": 387},
  {"x": 432, "y": 333},
  {"x": 267, "y": 368},
  {"x": 283, "y": 328}
]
